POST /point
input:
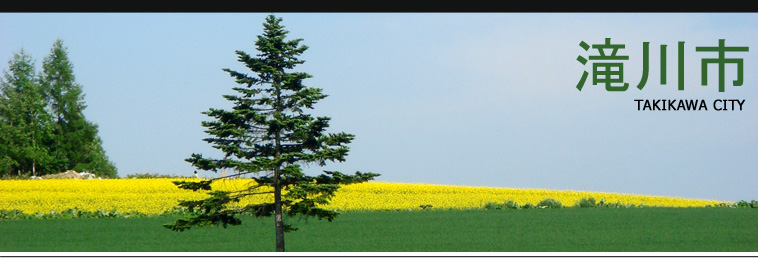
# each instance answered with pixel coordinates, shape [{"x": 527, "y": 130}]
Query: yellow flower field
[
  {"x": 153, "y": 196},
  {"x": 376, "y": 195}
]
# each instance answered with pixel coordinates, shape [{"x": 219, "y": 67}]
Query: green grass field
[{"x": 537, "y": 230}]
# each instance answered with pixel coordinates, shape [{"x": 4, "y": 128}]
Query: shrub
[
  {"x": 549, "y": 203},
  {"x": 740, "y": 204},
  {"x": 16, "y": 177},
  {"x": 69, "y": 214},
  {"x": 154, "y": 175},
  {"x": 13, "y": 214},
  {"x": 500, "y": 206},
  {"x": 493, "y": 206},
  {"x": 745, "y": 204},
  {"x": 511, "y": 205},
  {"x": 603, "y": 204},
  {"x": 586, "y": 203}
]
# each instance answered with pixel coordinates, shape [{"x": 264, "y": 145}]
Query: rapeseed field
[{"x": 157, "y": 195}]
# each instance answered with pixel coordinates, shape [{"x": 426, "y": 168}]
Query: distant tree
[
  {"x": 44, "y": 130},
  {"x": 76, "y": 144},
  {"x": 24, "y": 122},
  {"x": 268, "y": 135}
]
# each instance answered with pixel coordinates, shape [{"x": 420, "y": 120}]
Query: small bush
[
  {"x": 70, "y": 214},
  {"x": 586, "y": 203},
  {"x": 16, "y": 177},
  {"x": 13, "y": 214},
  {"x": 740, "y": 204},
  {"x": 603, "y": 204},
  {"x": 493, "y": 206},
  {"x": 511, "y": 205},
  {"x": 745, "y": 204},
  {"x": 549, "y": 203},
  {"x": 154, "y": 175},
  {"x": 501, "y": 206}
]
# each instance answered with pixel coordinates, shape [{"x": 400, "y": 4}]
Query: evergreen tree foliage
[
  {"x": 76, "y": 144},
  {"x": 41, "y": 120},
  {"x": 25, "y": 122},
  {"x": 268, "y": 135}
]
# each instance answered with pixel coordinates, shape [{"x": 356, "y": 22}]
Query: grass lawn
[{"x": 535, "y": 230}]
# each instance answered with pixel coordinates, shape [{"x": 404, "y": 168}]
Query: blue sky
[{"x": 479, "y": 99}]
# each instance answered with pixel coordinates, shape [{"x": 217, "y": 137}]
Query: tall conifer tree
[
  {"x": 24, "y": 122},
  {"x": 268, "y": 135},
  {"x": 76, "y": 144}
]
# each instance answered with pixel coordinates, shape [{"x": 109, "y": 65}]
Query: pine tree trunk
[{"x": 278, "y": 220}]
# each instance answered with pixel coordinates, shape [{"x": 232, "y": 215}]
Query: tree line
[{"x": 42, "y": 124}]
